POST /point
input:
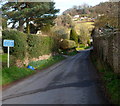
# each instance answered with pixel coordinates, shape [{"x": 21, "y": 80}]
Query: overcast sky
[{"x": 66, "y": 4}]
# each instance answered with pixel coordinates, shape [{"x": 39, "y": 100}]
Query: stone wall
[
  {"x": 107, "y": 47},
  {"x": 26, "y": 61}
]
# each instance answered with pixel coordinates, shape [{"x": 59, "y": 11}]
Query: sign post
[
  {"x": 8, "y": 43},
  {"x": 8, "y": 56}
]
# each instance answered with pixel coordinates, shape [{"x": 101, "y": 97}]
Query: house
[{"x": 76, "y": 16}]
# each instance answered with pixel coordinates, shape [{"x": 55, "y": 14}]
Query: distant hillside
[{"x": 105, "y": 12}]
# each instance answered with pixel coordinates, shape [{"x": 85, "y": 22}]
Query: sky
[{"x": 66, "y": 4}]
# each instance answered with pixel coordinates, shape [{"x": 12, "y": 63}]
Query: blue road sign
[{"x": 9, "y": 43}]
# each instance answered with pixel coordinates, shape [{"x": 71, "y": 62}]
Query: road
[{"x": 72, "y": 81}]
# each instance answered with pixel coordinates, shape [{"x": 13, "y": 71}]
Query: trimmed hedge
[
  {"x": 32, "y": 45},
  {"x": 20, "y": 48},
  {"x": 40, "y": 45},
  {"x": 67, "y": 44}
]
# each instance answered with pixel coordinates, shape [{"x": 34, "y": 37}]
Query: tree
[
  {"x": 73, "y": 35},
  {"x": 75, "y": 10},
  {"x": 39, "y": 14},
  {"x": 84, "y": 36},
  {"x": 109, "y": 15},
  {"x": 65, "y": 20},
  {"x": 4, "y": 23},
  {"x": 61, "y": 32}
]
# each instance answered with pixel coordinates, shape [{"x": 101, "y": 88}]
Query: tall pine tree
[{"x": 21, "y": 13}]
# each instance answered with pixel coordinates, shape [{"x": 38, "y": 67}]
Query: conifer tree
[
  {"x": 73, "y": 35},
  {"x": 21, "y": 13}
]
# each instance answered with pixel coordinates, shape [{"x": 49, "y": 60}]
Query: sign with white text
[{"x": 9, "y": 43}]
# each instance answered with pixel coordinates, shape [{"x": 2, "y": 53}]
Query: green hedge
[
  {"x": 33, "y": 45},
  {"x": 40, "y": 45},
  {"x": 20, "y": 48},
  {"x": 73, "y": 35},
  {"x": 67, "y": 44}
]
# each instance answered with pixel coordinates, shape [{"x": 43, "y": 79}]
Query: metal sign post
[
  {"x": 8, "y": 56},
  {"x": 8, "y": 43}
]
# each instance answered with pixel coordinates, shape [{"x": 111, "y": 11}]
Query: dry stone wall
[
  {"x": 107, "y": 47},
  {"x": 20, "y": 63}
]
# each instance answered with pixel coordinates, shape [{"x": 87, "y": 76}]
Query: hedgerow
[
  {"x": 40, "y": 45},
  {"x": 20, "y": 48},
  {"x": 33, "y": 45}
]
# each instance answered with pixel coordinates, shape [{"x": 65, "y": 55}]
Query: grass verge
[
  {"x": 111, "y": 80},
  {"x": 46, "y": 63},
  {"x": 82, "y": 47},
  {"x": 3, "y": 60},
  {"x": 3, "y": 57},
  {"x": 12, "y": 74},
  {"x": 72, "y": 53}
]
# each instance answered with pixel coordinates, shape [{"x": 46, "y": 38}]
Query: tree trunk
[
  {"x": 28, "y": 28},
  {"x": 21, "y": 28}
]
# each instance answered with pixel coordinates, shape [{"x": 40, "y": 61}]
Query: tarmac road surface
[{"x": 72, "y": 81}]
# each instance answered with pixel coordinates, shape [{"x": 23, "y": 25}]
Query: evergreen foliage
[
  {"x": 32, "y": 45},
  {"x": 40, "y": 14},
  {"x": 4, "y": 23},
  {"x": 40, "y": 45},
  {"x": 20, "y": 48},
  {"x": 73, "y": 35}
]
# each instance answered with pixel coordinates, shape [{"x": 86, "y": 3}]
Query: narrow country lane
[{"x": 72, "y": 81}]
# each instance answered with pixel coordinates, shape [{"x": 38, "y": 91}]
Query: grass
[
  {"x": 3, "y": 57},
  {"x": 3, "y": 60},
  {"x": 78, "y": 49},
  {"x": 12, "y": 74},
  {"x": 87, "y": 47},
  {"x": 69, "y": 52},
  {"x": 111, "y": 80},
  {"x": 46, "y": 63},
  {"x": 72, "y": 53},
  {"x": 82, "y": 47}
]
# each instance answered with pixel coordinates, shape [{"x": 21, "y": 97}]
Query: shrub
[
  {"x": 61, "y": 32},
  {"x": 67, "y": 44},
  {"x": 40, "y": 45},
  {"x": 20, "y": 48},
  {"x": 46, "y": 29},
  {"x": 73, "y": 35},
  {"x": 28, "y": 46}
]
